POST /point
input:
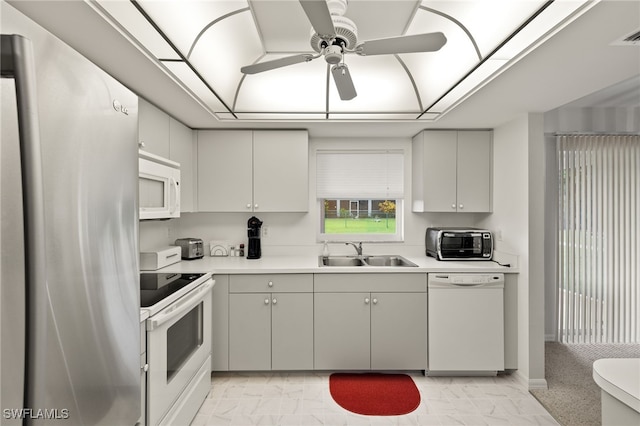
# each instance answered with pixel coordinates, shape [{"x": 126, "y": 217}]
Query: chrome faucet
[{"x": 357, "y": 247}]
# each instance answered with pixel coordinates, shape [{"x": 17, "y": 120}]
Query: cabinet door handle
[
  {"x": 453, "y": 206},
  {"x": 266, "y": 301},
  {"x": 461, "y": 206},
  {"x": 270, "y": 284},
  {"x": 249, "y": 205},
  {"x": 375, "y": 301},
  {"x": 274, "y": 301},
  {"x": 366, "y": 300},
  {"x": 255, "y": 206},
  {"x": 141, "y": 144}
]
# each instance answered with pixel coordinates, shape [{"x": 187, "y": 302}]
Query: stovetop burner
[{"x": 154, "y": 287}]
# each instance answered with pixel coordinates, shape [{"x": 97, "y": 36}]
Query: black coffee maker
[{"x": 253, "y": 230}]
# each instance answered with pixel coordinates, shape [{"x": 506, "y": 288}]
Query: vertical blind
[
  {"x": 599, "y": 247},
  {"x": 360, "y": 174}
]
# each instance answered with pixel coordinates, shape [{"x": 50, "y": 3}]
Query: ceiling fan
[{"x": 333, "y": 35}]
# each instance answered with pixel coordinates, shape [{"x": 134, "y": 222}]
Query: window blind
[
  {"x": 598, "y": 235},
  {"x": 360, "y": 174}
]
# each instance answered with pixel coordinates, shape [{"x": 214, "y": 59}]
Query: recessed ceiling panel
[
  {"x": 279, "y": 116},
  {"x": 127, "y": 15},
  {"x": 223, "y": 50},
  {"x": 218, "y": 38},
  {"x": 283, "y": 26},
  {"x": 371, "y": 116},
  {"x": 436, "y": 72},
  {"x": 488, "y": 22},
  {"x": 381, "y": 19},
  {"x": 183, "y": 20},
  {"x": 296, "y": 88},
  {"x": 382, "y": 84}
]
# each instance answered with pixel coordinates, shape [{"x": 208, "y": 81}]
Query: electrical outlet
[
  {"x": 265, "y": 231},
  {"x": 498, "y": 233}
]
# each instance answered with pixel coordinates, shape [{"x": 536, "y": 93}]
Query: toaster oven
[{"x": 459, "y": 243}]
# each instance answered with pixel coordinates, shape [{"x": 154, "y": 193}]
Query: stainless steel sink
[
  {"x": 341, "y": 261},
  {"x": 364, "y": 261},
  {"x": 388, "y": 261}
]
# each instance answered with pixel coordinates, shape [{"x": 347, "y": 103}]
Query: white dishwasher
[{"x": 466, "y": 324}]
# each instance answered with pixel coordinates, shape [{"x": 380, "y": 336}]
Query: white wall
[{"x": 518, "y": 170}]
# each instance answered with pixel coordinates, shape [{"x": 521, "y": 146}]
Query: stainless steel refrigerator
[{"x": 69, "y": 312}]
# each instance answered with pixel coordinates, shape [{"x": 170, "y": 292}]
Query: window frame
[
  {"x": 350, "y": 144},
  {"x": 398, "y": 236}
]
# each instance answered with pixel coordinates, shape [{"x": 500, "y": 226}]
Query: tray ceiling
[{"x": 204, "y": 44}]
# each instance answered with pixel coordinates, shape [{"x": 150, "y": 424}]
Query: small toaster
[{"x": 192, "y": 248}]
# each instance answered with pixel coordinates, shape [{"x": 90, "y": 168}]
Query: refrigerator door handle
[{"x": 17, "y": 62}]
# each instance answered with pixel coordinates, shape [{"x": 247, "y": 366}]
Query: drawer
[
  {"x": 368, "y": 282},
  {"x": 272, "y": 283}
]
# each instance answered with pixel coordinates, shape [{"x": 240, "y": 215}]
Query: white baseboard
[
  {"x": 530, "y": 384},
  {"x": 538, "y": 384}
]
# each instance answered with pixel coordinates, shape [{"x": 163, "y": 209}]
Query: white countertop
[
  {"x": 309, "y": 264},
  {"x": 620, "y": 378}
]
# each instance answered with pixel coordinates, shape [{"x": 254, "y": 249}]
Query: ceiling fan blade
[
  {"x": 276, "y": 63},
  {"x": 429, "y": 42},
  {"x": 318, "y": 13},
  {"x": 344, "y": 84}
]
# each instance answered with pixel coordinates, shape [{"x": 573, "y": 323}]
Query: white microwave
[{"x": 158, "y": 187}]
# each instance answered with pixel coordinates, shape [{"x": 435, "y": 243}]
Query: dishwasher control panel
[{"x": 466, "y": 279}]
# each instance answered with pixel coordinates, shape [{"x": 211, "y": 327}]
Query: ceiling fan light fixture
[
  {"x": 346, "y": 34},
  {"x": 333, "y": 54}
]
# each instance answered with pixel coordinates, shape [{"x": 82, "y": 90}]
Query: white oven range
[{"x": 178, "y": 345}]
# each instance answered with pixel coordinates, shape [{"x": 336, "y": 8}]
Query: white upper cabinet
[
  {"x": 253, "y": 171},
  {"x": 153, "y": 129},
  {"x": 280, "y": 171},
  {"x": 225, "y": 182},
  {"x": 452, "y": 171},
  {"x": 182, "y": 148},
  {"x": 161, "y": 134}
]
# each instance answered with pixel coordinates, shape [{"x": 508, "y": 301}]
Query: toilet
[{"x": 619, "y": 381}]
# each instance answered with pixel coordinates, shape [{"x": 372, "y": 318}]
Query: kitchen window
[{"x": 360, "y": 194}]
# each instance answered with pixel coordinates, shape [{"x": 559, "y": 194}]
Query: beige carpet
[{"x": 573, "y": 398}]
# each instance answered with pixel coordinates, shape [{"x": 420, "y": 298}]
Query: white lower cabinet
[
  {"x": 342, "y": 338},
  {"x": 381, "y": 329},
  {"x": 271, "y": 330},
  {"x": 398, "y": 331}
]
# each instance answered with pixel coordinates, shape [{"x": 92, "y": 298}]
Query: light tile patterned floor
[{"x": 303, "y": 399}]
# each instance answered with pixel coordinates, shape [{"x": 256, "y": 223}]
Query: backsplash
[{"x": 289, "y": 233}]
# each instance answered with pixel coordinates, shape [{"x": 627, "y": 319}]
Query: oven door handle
[{"x": 179, "y": 308}]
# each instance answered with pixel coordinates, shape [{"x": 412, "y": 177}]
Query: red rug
[{"x": 375, "y": 394}]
